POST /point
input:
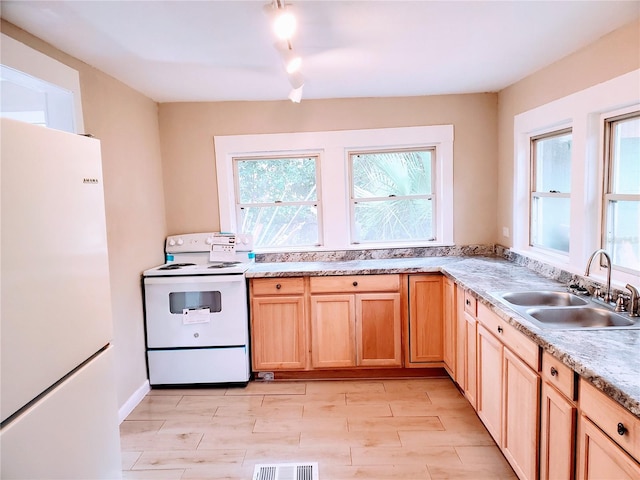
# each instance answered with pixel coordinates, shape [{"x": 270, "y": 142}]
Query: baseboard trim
[
  {"x": 352, "y": 374},
  {"x": 133, "y": 401}
]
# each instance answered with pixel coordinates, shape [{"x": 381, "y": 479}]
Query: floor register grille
[{"x": 286, "y": 471}]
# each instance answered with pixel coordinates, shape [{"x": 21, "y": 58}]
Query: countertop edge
[{"x": 443, "y": 265}]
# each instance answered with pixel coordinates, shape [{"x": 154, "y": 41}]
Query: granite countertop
[{"x": 609, "y": 359}]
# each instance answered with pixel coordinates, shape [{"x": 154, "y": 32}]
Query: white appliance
[
  {"x": 57, "y": 391},
  {"x": 196, "y": 312}
]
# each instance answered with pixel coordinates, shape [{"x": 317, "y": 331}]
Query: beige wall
[
  {"x": 126, "y": 122},
  {"x": 611, "y": 56},
  {"x": 187, "y": 131}
]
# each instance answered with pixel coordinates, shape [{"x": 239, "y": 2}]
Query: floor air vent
[{"x": 286, "y": 471}]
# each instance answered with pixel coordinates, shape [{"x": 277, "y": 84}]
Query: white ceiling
[{"x": 175, "y": 51}]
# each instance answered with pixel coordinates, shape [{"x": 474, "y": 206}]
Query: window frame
[
  {"x": 430, "y": 196},
  {"x": 332, "y": 147},
  {"x": 584, "y": 112},
  {"x": 26, "y": 60},
  {"x": 534, "y": 193},
  {"x": 607, "y": 121},
  {"x": 317, "y": 202}
]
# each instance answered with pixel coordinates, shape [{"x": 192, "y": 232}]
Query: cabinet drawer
[
  {"x": 470, "y": 304},
  {"x": 355, "y": 284},
  {"x": 277, "y": 286},
  {"x": 611, "y": 417},
  {"x": 526, "y": 349},
  {"x": 559, "y": 375}
]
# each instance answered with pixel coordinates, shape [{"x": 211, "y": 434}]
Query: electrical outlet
[{"x": 505, "y": 232}]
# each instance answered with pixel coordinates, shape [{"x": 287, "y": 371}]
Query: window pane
[
  {"x": 394, "y": 220},
  {"x": 623, "y": 233},
  {"x": 287, "y": 225},
  {"x": 553, "y": 164},
  {"x": 276, "y": 180},
  {"x": 626, "y": 157},
  {"x": 392, "y": 173},
  {"x": 550, "y": 223}
]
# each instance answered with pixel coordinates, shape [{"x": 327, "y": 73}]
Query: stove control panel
[{"x": 208, "y": 242}]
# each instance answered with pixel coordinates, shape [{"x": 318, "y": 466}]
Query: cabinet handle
[
  {"x": 621, "y": 429},
  {"x": 468, "y": 301},
  {"x": 278, "y": 286},
  {"x": 554, "y": 372},
  {"x": 499, "y": 329},
  {"x": 355, "y": 284}
]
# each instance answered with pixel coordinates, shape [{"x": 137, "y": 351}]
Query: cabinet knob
[
  {"x": 278, "y": 286},
  {"x": 621, "y": 429},
  {"x": 355, "y": 284},
  {"x": 499, "y": 329},
  {"x": 554, "y": 372}
]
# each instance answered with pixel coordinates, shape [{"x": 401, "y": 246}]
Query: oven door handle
[{"x": 194, "y": 279}]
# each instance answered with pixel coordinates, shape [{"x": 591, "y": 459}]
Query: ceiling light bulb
[
  {"x": 296, "y": 80},
  {"x": 296, "y": 95},
  {"x": 284, "y": 24},
  {"x": 293, "y": 64}
]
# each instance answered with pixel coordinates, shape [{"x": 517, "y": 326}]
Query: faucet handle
[{"x": 621, "y": 303}]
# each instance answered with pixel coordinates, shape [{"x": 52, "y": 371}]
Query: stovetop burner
[
  {"x": 176, "y": 266},
  {"x": 224, "y": 264}
]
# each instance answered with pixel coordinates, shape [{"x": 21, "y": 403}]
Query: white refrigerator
[{"x": 57, "y": 384}]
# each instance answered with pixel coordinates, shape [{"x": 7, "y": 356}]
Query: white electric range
[{"x": 196, "y": 311}]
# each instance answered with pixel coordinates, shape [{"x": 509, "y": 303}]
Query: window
[
  {"x": 38, "y": 89},
  {"x": 338, "y": 190},
  {"x": 277, "y": 200},
  {"x": 550, "y": 192},
  {"x": 577, "y": 176},
  {"x": 622, "y": 191},
  {"x": 392, "y": 196}
]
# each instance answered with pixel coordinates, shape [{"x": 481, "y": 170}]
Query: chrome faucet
[
  {"x": 633, "y": 303},
  {"x": 607, "y": 297}
]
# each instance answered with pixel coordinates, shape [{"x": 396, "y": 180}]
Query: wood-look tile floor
[{"x": 367, "y": 429}]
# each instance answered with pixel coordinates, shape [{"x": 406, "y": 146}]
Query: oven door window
[{"x": 178, "y": 301}]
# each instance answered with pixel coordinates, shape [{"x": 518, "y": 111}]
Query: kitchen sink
[
  {"x": 546, "y": 298},
  {"x": 580, "y": 317},
  {"x": 564, "y": 311}
]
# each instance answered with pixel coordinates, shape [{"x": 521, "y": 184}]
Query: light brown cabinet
[
  {"x": 355, "y": 321},
  {"x": 450, "y": 326},
  {"x": 608, "y": 438},
  {"x": 509, "y": 391},
  {"x": 557, "y": 420},
  {"x": 278, "y": 324},
  {"x": 467, "y": 333},
  {"x": 426, "y": 332}
]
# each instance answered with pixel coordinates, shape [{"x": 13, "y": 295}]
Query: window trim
[
  {"x": 607, "y": 121},
  {"x": 430, "y": 196},
  {"x": 20, "y": 57},
  {"x": 582, "y": 111},
  {"x": 533, "y": 193},
  {"x": 332, "y": 147},
  {"x": 316, "y": 203}
]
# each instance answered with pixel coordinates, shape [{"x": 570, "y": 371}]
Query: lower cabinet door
[
  {"x": 557, "y": 435},
  {"x": 278, "y": 333},
  {"x": 600, "y": 458},
  {"x": 521, "y": 393},
  {"x": 333, "y": 320},
  {"x": 490, "y": 382},
  {"x": 378, "y": 330}
]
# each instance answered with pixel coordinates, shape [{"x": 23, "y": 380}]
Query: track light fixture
[{"x": 284, "y": 27}]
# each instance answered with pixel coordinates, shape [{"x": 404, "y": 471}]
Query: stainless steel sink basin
[
  {"x": 543, "y": 298},
  {"x": 564, "y": 311},
  {"x": 578, "y": 318}
]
